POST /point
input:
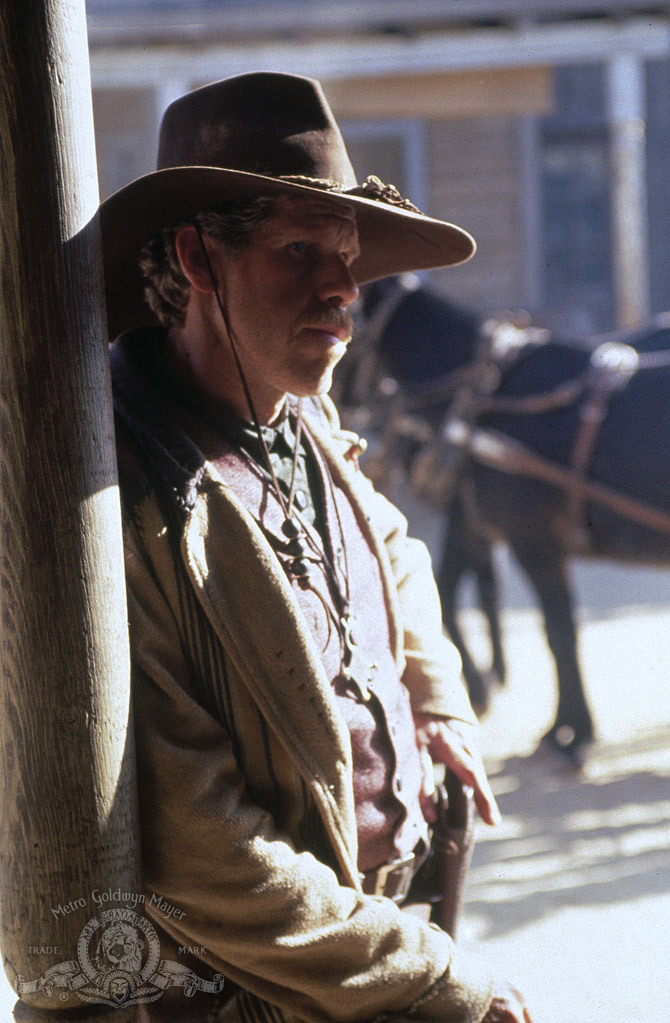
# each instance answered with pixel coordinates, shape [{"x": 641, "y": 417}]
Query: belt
[{"x": 394, "y": 879}]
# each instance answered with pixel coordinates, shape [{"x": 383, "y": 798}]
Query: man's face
[{"x": 286, "y": 297}]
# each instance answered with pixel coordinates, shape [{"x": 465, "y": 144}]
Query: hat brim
[{"x": 392, "y": 239}]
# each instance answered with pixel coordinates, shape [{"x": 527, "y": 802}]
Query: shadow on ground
[{"x": 574, "y": 840}]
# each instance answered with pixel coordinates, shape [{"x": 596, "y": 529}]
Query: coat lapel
[
  {"x": 351, "y": 479},
  {"x": 253, "y": 491},
  {"x": 250, "y": 603}
]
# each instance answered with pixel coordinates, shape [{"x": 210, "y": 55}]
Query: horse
[{"x": 556, "y": 446}]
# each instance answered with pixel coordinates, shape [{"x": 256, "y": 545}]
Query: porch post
[
  {"x": 626, "y": 115},
  {"x": 66, "y": 777}
]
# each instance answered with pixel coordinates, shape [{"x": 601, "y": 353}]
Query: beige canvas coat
[{"x": 244, "y": 762}]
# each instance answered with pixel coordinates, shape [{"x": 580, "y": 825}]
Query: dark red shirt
[{"x": 386, "y": 766}]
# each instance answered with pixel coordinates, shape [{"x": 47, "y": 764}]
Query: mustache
[{"x": 328, "y": 316}]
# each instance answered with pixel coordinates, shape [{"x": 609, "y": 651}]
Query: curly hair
[{"x": 166, "y": 289}]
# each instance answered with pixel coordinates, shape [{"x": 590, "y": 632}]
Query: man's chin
[
  {"x": 319, "y": 382},
  {"x": 321, "y": 386}
]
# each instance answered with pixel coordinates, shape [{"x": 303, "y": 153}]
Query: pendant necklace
[
  {"x": 290, "y": 527},
  {"x": 355, "y": 668},
  {"x": 308, "y": 554},
  {"x": 298, "y": 544},
  {"x": 356, "y": 671}
]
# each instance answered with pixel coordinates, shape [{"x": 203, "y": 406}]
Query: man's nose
[{"x": 335, "y": 283}]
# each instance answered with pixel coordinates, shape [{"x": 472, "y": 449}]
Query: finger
[
  {"x": 486, "y": 803},
  {"x": 454, "y": 744},
  {"x": 470, "y": 769},
  {"x": 427, "y": 786},
  {"x": 428, "y": 772},
  {"x": 427, "y": 808}
]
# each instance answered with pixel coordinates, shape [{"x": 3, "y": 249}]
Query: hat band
[
  {"x": 372, "y": 188},
  {"x": 327, "y": 184}
]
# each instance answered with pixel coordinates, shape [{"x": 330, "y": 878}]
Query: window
[{"x": 578, "y": 288}]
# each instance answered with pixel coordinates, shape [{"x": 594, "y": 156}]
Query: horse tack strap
[
  {"x": 370, "y": 359},
  {"x": 498, "y": 451},
  {"x": 612, "y": 366}
]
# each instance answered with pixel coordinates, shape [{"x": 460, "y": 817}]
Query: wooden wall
[
  {"x": 473, "y": 179},
  {"x": 125, "y": 135}
]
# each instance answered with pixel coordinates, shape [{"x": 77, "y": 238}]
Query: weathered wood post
[
  {"x": 68, "y": 832},
  {"x": 626, "y": 113}
]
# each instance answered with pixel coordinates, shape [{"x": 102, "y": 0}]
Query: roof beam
[
  {"x": 537, "y": 45},
  {"x": 110, "y": 24}
]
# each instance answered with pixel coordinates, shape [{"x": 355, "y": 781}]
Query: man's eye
[{"x": 298, "y": 248}]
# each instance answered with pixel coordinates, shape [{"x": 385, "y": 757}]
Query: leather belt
[{"x": 394, "y": 879}]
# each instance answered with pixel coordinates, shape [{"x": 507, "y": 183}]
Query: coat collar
[{"x": 158, "y": 425}]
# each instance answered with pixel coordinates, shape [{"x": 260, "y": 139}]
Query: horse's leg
[
  {"x": 455, "y": 564},
  {"x": 545, "y": 566},
  {"x": 487, "y": 585}
]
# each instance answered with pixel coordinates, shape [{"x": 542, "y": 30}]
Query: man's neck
[{"x": 220, "y": 384}]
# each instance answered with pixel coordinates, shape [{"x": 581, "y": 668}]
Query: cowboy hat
[{"x": 261, "y": 134}]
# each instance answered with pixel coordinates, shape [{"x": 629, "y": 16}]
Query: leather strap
[{"x": 394, "y": 879}]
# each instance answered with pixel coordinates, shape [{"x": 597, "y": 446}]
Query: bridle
[{"x": 470, "y": 392}]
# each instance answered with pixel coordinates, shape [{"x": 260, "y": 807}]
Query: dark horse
[{"x": 558, "y": 448}]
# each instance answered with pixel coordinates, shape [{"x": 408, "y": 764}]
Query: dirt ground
[{"x": 571, "y": 894}]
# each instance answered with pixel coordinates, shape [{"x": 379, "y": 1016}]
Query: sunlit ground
[{"x": 571, "y": 894}]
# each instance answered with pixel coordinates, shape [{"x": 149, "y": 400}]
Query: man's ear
[{"x": 192, "y": 259}]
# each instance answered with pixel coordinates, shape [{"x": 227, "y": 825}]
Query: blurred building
[{"x": 540, "y": 125}]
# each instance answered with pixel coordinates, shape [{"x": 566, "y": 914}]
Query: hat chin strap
[
  {"x": 286, "y": 506},
  {"x": 226, "y": 324}
]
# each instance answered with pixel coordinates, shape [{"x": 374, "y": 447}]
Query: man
[{"x": 290, "y": 673}]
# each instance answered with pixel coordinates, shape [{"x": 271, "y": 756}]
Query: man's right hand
[{"x": 507, "y": 1007}]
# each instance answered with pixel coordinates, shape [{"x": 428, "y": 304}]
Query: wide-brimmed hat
[{"x": 261, "y": 134}]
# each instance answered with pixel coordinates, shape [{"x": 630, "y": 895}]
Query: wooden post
[
  {"x": 626, "y": 113},
  {"x": 67, "y": 807}
]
